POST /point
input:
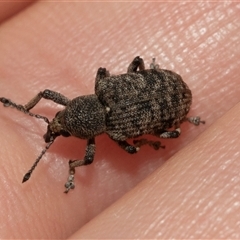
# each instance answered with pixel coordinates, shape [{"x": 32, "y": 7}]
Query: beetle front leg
[
  {"x": 46, "y": 94},
  {"x": 88, "y": 159},
  {"x": 135, "y": 64}
]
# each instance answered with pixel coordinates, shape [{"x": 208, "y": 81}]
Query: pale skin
[{"x": 190, "y": 189}]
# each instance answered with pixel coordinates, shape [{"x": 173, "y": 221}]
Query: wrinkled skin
[{"x": 193, "y": 192}]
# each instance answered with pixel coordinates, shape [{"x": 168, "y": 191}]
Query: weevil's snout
[
  {"x": 49, "y": 135},
  {"x": 46, "y": 137},
  {"x": 55, "y": 128}
]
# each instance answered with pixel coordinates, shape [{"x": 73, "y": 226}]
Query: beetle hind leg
[
  {"x": 195, "y": 120},
  {"x": 168, "y": 134}
]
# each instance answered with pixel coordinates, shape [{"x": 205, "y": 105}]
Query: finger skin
[
  {"x": 60, "y": 47},
  {"x": 11, "y": 8},
  {"x": 194, "y": 195}
]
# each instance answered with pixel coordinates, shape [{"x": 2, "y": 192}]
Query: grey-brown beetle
[{"x": 150, "y": 101}]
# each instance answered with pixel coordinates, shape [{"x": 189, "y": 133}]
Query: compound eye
[
  {"x": 49, "y": 135},
  {"x": 57, "y": 114}
]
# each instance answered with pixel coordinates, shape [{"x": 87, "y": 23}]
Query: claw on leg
[
  {"x": 70, "y": 182},
  {"x": 154, "y": 65},
  {"x": 88, "y": 159},
  {"x": 195, "y": 120}
]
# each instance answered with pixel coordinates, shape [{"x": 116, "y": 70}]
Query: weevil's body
[
  {"x": 129, "y": 105},
  {"x": 146, "y": 102},
  {"x": 124, "y": 106}
]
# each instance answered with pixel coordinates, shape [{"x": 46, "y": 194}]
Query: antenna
[
  {"x": 8, "y": 103},
  {"x": 28, "y": 174}
]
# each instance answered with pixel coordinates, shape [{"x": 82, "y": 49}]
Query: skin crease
[
  {"x": 188, "y": 190},
  {"x": 9, "y": 9}
]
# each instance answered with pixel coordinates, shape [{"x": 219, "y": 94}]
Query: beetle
[{"x": 142, "y": 101}]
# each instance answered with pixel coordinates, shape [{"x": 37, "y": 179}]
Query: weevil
[{"x": 142, "y": 101}]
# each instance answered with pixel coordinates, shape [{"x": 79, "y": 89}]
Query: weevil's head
[
  {"x": 83, "y": 117},
  {"x": 55, "y": 128}
]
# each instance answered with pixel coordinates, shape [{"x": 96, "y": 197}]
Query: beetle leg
[
  {"x": 171, "y": 134},
  {"x": 47, "y": 94},
  {"x": 195, "y": 120},
  {"x": 154, "y": 144},
  {"x": 127, "y": 147},
  {"x": 154, "y": 65},
  {"x": 88, "y": 159},
  {"x": 135, "y": 64},
  {"x": 102, "y": 73}
]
